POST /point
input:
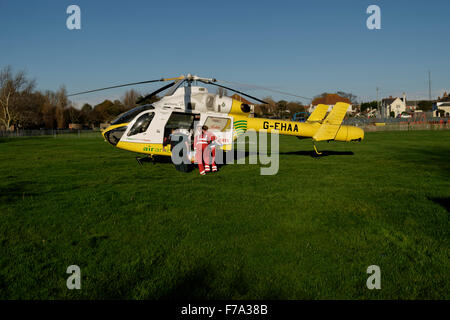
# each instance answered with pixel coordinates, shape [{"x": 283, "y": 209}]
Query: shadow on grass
[
  {"x": 231, "y": 157},
  {"x": 165, "y": 160},
  {"x": 204, "y": 283},
  {"x": 443, "y": 202},
  {"x": 193, "y": 285},
  {"x": 324, "y": 153}
]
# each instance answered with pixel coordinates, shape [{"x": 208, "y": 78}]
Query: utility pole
[
  {"x": 378, "y": 104},
  {"x": 429, "y": 85}
]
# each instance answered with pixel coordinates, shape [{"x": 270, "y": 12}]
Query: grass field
[{"x": 151, "y": 232}]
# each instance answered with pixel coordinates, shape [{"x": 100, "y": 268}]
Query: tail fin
[
  {"x": 318, "y": 114},
  {"x": 337, "y": 115},
  {"x": 332, "y": 123}
]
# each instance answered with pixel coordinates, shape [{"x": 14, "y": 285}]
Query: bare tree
[
  {"x": 130, "y": 98},
  {"x": 271, "y": 106},
  {"x": 59, "y": 102},
  {"x": 12, "y": 90},
  {"x": 349, "y": 96}
]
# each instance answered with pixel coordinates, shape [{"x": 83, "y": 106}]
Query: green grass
[{"x": 151, "y": 232}]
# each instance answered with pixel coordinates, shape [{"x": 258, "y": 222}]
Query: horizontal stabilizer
[
  {"x": 318, "y": 114},
  {"x": 326, "y": 132}
]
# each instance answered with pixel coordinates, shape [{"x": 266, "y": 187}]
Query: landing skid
[
  {"x": 140, "y": 160},
  {"x": 315, "y": 149}
]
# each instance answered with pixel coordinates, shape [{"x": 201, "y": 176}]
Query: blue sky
[{"x": 303, "y": 47}]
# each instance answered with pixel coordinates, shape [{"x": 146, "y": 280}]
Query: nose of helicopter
[{"x": 113, "y": 133}]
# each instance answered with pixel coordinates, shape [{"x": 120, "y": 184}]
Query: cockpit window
[
  {"x": 131, "y": 114},
  {"x": 141, "y": 124}
]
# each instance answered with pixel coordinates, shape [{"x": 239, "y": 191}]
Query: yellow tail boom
[{"x": 328, "y": 129}]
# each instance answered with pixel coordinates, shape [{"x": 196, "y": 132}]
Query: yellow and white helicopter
[{"x": 144, "y": 128}]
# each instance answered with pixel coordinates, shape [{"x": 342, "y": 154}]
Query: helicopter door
[
  {"x": 139, "y": 129},
  {"x": 180, "y": 121},
  {"x": 222, "y": 127}
]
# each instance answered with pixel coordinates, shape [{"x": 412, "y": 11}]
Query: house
[
  {"x": 412, "y": 105},
  {"x": 442, "y": 104},
  {"x": 395, "y": 105},
  {"x": 330, "y": 99}
]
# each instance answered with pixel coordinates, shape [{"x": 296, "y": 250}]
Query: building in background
[
  {"x": 330, "y": 99},
  {"x": 412, "y": 106},
  {"x": 442, "y": 106},
  {"x": 396, "y": 105}
]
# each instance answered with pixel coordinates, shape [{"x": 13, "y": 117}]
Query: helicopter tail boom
[{"x": 330, "y": 129}]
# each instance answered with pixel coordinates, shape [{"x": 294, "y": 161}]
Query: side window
[
  {"x": 141, "y": 124},
  {"x": 210, "y": 102},
  {"x": 218, "y": 123}
]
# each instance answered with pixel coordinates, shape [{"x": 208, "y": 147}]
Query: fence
[
  {"x": 368, "y": 124},
  {"x": 406, "y": 127},
  {"x": 50, "y": 132},
  {"x": 400, "y": 124}
]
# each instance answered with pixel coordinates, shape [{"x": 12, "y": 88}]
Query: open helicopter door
[
  {"x": 222, "y": 127},
  {"x": 183, "y": 122}
]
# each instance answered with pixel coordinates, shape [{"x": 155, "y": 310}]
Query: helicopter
[{"x": 144, "y": 128}]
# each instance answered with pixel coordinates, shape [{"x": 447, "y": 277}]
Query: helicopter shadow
[
  {"x": 313, "y": 154},
  {"x": 310, "y": 153},
  {"x": 231, "y": 157},
  {"x": 164, "y": 160},
  {"x": 153, "y": 160}
]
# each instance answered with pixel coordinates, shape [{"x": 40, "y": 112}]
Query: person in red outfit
[
  {"x": 211, "y": 151},
  {"x": 202, "y": 143}
]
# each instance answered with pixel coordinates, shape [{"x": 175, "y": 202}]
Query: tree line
[{"x": 24, "y": 107}]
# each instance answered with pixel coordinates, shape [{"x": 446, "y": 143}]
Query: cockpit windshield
[
  {"x": 142, "y": 123},
  {"x": 131, "y": 114}
]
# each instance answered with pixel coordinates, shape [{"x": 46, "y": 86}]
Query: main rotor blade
[
  {"x": 265, "y": 88},
  {"x": 125, "y": 85},
  {"x": 239, "y": 92},
  {"x": 155, "y": 92}
]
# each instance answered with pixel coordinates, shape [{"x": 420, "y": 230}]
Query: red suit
[
  {"x": 203, "y": 150},
  {"x": 211, "y": 152}
]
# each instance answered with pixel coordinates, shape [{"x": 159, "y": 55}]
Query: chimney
[
  {"x": 404, "y": 97},
  {"x": 390, "y": 97}
]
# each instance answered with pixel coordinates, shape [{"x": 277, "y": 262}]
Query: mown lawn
[{"x": 151, "y": 232}]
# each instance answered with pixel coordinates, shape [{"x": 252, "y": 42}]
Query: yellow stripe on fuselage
[{"x": 146, "y": 148}]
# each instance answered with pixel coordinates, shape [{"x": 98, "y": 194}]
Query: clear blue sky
[{"x": 303, "y": 47}]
